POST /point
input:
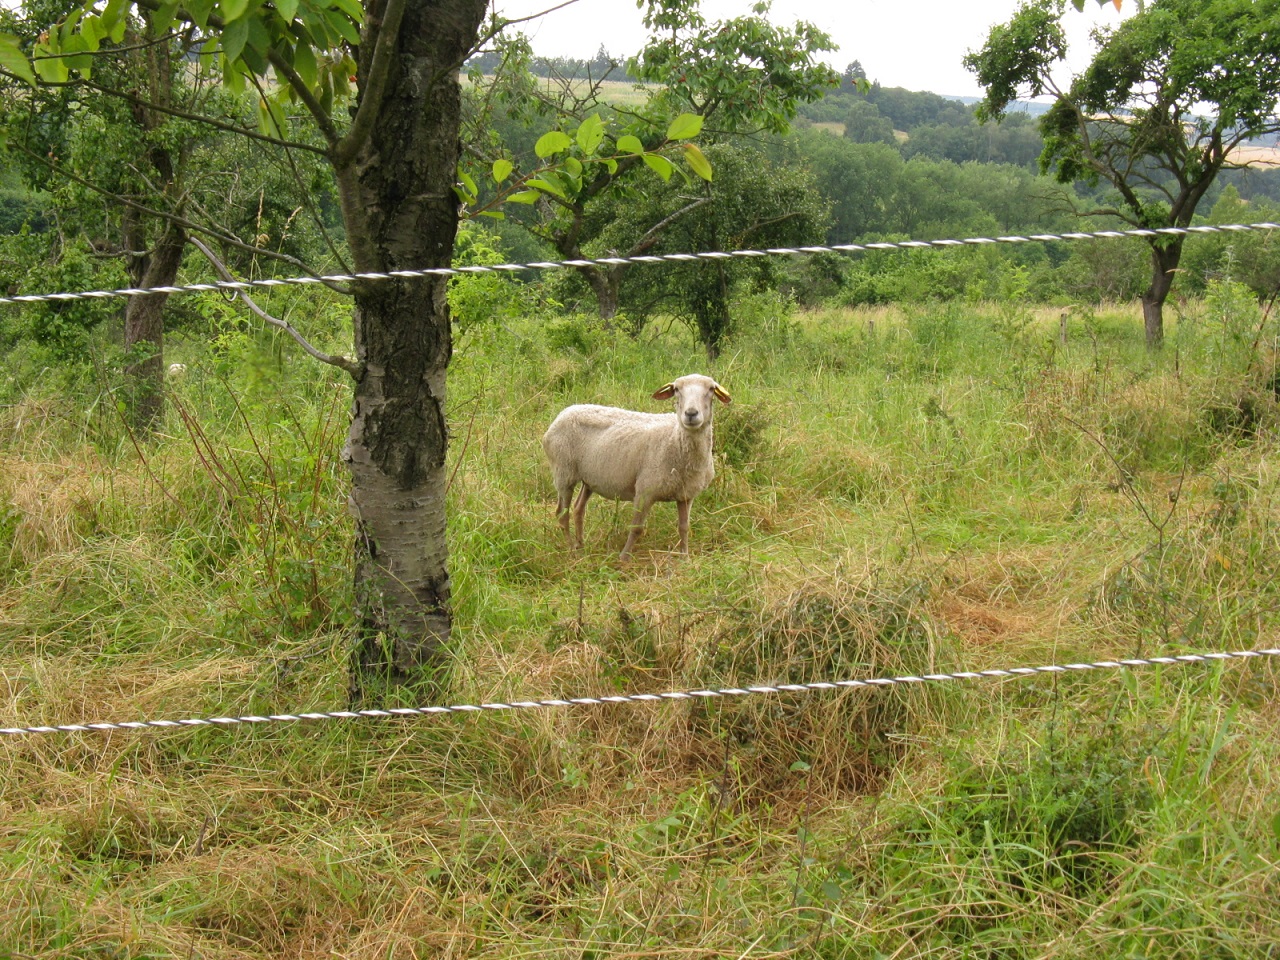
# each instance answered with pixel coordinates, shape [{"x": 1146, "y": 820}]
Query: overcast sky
[{"x": 917, "y": 44}]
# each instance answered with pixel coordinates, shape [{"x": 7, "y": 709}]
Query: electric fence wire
[
  {"x": 233, "y": 285},
  {"x": 876, "y": 682}
]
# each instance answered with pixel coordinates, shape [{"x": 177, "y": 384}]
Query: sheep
[
  {"x": 641, "y": 457},
  {"x": 176, "y": 369}
]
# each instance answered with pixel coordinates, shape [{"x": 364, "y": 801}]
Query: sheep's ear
[
  {"x": 665, "y": 393},
  {"x": 721, "y": 394}
]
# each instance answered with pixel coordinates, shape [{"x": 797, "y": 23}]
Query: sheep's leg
[
  {"x": 637, "y": 526},
  {"x": 579, "y": 514},
  {"x": 682, "y": 515},
  {"x": 564, "y": 503}
]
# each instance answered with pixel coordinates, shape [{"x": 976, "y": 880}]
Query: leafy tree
[
  {"x": 1136, "y": 118},
  {"x": 739, "y": 76},
  {"x": 751, "y": 203},
  {"x": 853, "y": 77},
  {"x": 1247, "y": 257},
  {"x": 858, "y": 180},
  {"x": 393, "y": 149},
  {"x": 908, "y": 109},
  {"x": 863, "y": 124},
  {"x": 1016, "y": 140}
]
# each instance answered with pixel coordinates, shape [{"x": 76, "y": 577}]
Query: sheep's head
[{"x": 693, "y": 395}]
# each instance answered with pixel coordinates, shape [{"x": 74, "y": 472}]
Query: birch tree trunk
[{"x": 400, "y": 210}]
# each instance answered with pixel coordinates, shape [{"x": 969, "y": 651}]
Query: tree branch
[
  {"x": 371, "y": 92},
  {"x": 174, "y": 112},
  {"x": 651, "y": 235},
  {"x": 322, "y": 118},
  {"x": 356, "y": 370},
  {"x": 174, "y": 218}
]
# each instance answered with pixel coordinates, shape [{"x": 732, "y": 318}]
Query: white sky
[{"x": 917, "y": 44}]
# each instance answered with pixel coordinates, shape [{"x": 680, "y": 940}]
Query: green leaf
[
  {"x": 68, "y": 28},
  {"x": 495, "y": 214},
  {"x": 114, "y": 20},
  {"x": 551, "y": 143},
  {"x": 233, "y": 39},
  {"x": 502, "y": 168},
  {"x": 304, "y": 61},
  {"x": 93, "y": 31},
  {"x": 162, "y": 16},
  {"x": 351, "y": 8},
  {"x": 233, "y": 74},
  {"x": 629, "y": 143},
  {"x": 659, "y": 165},
  {"x": 77, "y": 55},
  {"x": 253, "y": 56},
  {"x": 233, "y": 9},
  {"x": 199, "y": 10},
  {"x": 684, "y": 126},
  {"x": 545, "y": 183},
  {"x": 697, "y": 161},
  {"x": 524, "y": 196},
  {"x": 12, "y": 60},
  {"x": 287, "y": 9},
  {"x": 271, "y": 120},
  {"x": 350, "y": 32},
  {"x": 798, "y": 767},
  {"x": 51, "y": 69},
  {"x": 590, "y": 134}
]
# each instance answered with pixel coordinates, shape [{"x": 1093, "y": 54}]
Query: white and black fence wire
[
  {"x": 670, "y": 696},
  {"x": 845, "y": 248}
]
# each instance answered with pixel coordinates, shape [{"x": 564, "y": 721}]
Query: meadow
[{"x": 899, "y": 490}]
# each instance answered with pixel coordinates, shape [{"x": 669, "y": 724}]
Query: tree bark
[
  {"x": 144, "y": 329},
  {"x": 400, "y": 212},
  {"x": 711, "y": 307},
  {"x": 1164, "y": 262},
  {"x": 606, "y": 284},
  {"x": 151, "y": 264}
]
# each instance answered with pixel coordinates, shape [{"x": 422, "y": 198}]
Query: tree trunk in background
[
  {"x": 151, "y": 264},
  {"x": 401, "y": 212},
  {"x": 144, "y": 326},
  {"x": 711, "y": 307},
  {"x": 1164, "y": 261},
  {"x": 606, "y": 283}
]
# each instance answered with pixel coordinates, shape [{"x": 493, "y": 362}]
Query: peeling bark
[{"x": 396, "y": 188}]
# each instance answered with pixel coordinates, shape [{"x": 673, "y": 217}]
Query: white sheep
[{"x": 641, "y": 457}]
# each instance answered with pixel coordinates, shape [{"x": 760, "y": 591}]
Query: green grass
[{"x": 898, "y": 491}]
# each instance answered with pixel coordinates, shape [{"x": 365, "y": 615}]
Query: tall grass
[{"x": 898, "y": 491}]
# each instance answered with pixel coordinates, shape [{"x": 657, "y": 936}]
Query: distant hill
[{"x": 1018, "y": 106}]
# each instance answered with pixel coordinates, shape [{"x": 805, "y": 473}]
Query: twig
[{"x": 354, "y": 368}]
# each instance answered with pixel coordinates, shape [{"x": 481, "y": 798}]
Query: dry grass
[{"x": 870, "y": 517}]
